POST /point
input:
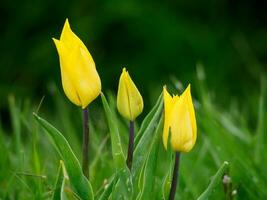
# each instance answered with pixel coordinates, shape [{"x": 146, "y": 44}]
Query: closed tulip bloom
[
  {"x": 180, "y": 121},
  {"x": 129, "y": 100},
  {"x": 80, "y": 80}
]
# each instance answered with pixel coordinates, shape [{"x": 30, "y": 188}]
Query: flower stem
[
  {"x": 85, "y": 147},
  {"x": 130, "y": 145},
  {"x": 175, "y": 176}
]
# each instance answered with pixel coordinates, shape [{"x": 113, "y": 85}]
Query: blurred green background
[
  {"x": 160, "y": 42},
  {"x": 153, "y": 39}
]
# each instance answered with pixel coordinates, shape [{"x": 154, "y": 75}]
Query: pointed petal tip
[
  {"x": 57, "y": 43},
  {"x": 189, "y": 87},
  {"x": 66, "y": 30},
  {"x": 165, "y": 91},
  {"x": 165, "y": 88},
  {"x": 187, "y": 91},
  {"x": 67, "y": 24},
  {"x": 55, "y": 40},
  {"x": 124, "y": 70}
]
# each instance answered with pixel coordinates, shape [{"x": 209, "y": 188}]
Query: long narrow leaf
[
  {"x": 78, "y": 181},
  {"x": 147, "y": 179},
  {"x": 147, "y": 120},
  {"x": 216, "y": 179},
  {"x": 58, "y": 193},
  {"x": 117, "y": 152},
  {"x": 146, "y": 138},
  {"x": 107, "y": 189},
  {"x": 166, "y": 182},
  {"x": 123, "y": 189}
]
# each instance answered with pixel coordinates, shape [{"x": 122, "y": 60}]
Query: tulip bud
[
  {"x": 80, "y": 80},
  {"x": 180, "y": 120},
  {"x": 129, "y": 100}
]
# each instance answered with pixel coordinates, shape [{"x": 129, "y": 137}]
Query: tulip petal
[
  {"x": 191, "y": 112},
  {"x": 169, "y": 101},
  {"x": 135, "y": 99},
  {"x": 68, "y": 37},
  {"x": 67, "y": 83},
  {"x": 85, "y": 77},
  {"x": 71, "y": 40},
  {"x": 167, "y": 108},
  {"x": 123, "y": 97}
]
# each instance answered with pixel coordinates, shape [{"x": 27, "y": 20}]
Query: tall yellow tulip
[
  {"x": 129, "y": 100},
  {"x": 80, "y": 80},
  {"x": 180, "y": 121}
]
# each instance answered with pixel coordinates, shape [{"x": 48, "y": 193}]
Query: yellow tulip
[
  {"x": 129, "y": 100},
  {"x": 179, "y": 121},
  {"x": 80, "y": 80}
]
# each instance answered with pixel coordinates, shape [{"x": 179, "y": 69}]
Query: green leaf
[
  {"x": 216, "y": 179},
  {"x": 117, "y": 152},
  {"x": 147, "y": 120},
  {"x": 147, "y": 133},
  {"x": 123, "y": 186},
  {"x": 78, "y": 181},
  {"x": 147, "y": 177},
  {"x": 166, "y": 183},
  {"x": 107, "y": 189},
  {"x": 58, "y": 192},
  {"x": 123, "y": 189}
]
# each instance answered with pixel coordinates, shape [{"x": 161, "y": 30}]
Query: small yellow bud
[
  {"x": 80, "y": 80},
  {"x": 129, "y": 100},
  {"x": 180, "y": 120}
]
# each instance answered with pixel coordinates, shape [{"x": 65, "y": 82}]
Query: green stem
[
  {"x": 85, "y": 146},
  {"x": 175, "y": 176},
  {"x": 130, "y": 145}
]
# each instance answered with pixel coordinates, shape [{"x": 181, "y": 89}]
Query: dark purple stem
[
  {"x": 175, "y": 176},
  {"x": 85, "y": 147}
]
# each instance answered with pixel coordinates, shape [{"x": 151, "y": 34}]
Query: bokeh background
[
  {"x": 220, "y": 47},
  {"x": 155, "y": 40}
]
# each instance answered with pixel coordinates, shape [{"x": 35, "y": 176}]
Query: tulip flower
[
  {"x": 180, "y": 121},
  {"x": 180, "y": 124},
  {"x": 80, "y": 80},
  {"x": 129, "y": 100},
  {"x": 130, "y": 105}
]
